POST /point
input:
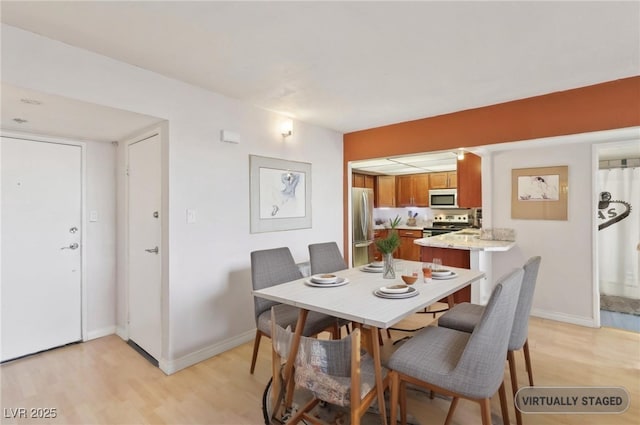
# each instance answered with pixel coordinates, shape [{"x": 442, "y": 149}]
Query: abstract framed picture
[
  {"x": 280, "y": 194},
  {"x": 539, "y": 193}
]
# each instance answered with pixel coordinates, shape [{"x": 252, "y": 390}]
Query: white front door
[
  {"x": 41, "y": 253},
  {"x": 145, "y": 319}
]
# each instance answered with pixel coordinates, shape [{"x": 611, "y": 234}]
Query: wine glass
[
  {"x": 437, "y": 263},
  {"x": 426, "y": 272}
]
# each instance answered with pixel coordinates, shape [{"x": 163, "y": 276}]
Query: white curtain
[{"x": 619, "y": 241}]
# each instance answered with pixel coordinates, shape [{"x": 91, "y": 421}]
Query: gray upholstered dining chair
[
  {"x": 457, "y": 363},
  {"x": 271, "y": 267},
  {"x": 333, "y": 371},
  {"x": 326, "y": 257},
  {"x": 465, "y": 316}
]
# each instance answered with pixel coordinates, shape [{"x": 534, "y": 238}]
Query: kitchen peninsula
[{"x": 465, "y": 249}]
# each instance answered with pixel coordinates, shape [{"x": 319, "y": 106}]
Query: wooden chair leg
[
  {"x": 503, "y": 405},
  {"x": 403, "y": 403},
  {"x": 511, "y": 358},
  {"x": 388, "y": 333},
  {"x": 393, "y": 415},
  {"x": 336, "y": 330},
  {"x": 485, "y": 411},
  {"x": 256, "y": 345},
  {"x": 527, "y": 359},
  {"x": 454, "y": 404},
  {"x": 306, "y": 408}
]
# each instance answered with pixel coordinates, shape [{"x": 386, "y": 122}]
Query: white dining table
[{"x": 356, "y": 301}]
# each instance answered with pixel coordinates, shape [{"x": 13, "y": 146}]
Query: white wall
[
  {"x": 564, "y": 288},
  {"x": 209, "y": 303},
  {"x": 101, "y": 239}
]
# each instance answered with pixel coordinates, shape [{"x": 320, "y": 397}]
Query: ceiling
[
  {"x": 408, "y": 164},
  {"x": 34, "y": 112},
  {"x": 347, "y": 65}
]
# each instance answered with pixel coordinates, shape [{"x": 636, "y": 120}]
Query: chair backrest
[
  {"x": 326, "y": 258},
  {"x": 480, "y": 370},
  {"x": 271, "y": 267},
  {"x": 520, "y": 329},
  {"x": 327, "y": 368}
]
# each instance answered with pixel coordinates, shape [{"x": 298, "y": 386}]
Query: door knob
[
  {"x": 153, "y": 250},
  {"x": 72, "y": 246}
]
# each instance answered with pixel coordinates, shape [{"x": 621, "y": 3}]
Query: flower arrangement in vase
[{"x": 387, "y": 246}]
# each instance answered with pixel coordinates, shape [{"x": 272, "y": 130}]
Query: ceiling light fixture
[{"x": 286, "y": 128}]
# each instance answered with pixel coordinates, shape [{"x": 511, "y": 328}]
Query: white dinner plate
[
  {"x": 412, "y": 292},
  {"x": 394, "y": 289},
  {"x": 376, "y": 264},
  {"x": 324, "y": 278},
  {"x": 447, "y": 276},
  {"x": 341, "y": 281},
  {"x": 442, "y": 272},
  {"x": 372, "y": 269}
]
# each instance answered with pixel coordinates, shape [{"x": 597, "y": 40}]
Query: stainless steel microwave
[{"x": 443, "y": 198}]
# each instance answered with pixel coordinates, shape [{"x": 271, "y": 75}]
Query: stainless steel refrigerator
[{"x": 362, "y": 213}]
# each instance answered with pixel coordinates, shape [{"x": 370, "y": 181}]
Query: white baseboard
[
  {"x": 99, "y": 333},
  {"x": 566, "y": 318},
  {"x": 172, "y": 366}
]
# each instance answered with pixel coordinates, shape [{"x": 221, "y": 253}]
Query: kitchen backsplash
[{"x": 423, "y": 219}]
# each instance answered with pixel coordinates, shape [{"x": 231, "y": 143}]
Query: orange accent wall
[{"x": 606, "y": 106}]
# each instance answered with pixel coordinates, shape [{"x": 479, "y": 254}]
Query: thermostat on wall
[{"x": 229, "y": 136}]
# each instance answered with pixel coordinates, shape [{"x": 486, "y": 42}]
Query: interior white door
[
  {"x": 41, "y": 255},
  {"x": 145, "y": 318}
]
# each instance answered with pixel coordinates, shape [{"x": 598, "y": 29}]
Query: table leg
[
  {"x": 377, "y": 366},
  {"x": 451, "y": 301},
  {"x": 293, "y": 352}
]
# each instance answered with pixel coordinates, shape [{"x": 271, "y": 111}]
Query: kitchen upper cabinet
[
  {"x": 412, "y": 190},
  {"x": 444, "y": 180},
  {"x": 363, "y": 180},
  {"x": 407, "y": 249},
  {"x": 470, "y": 181},
  {"x": 452, "y": 178},
  {"x": 385, "y": 191}
]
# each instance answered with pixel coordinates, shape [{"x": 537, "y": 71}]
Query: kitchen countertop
[
  {"x": 400, "y": 227},
  {"x": 465, "y": 239}
]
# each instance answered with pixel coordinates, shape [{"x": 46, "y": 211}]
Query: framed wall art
[
  {"x": 280, "y": 194},
  {"x": 539, "y": 193}
]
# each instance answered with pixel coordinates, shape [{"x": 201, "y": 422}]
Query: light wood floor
[{"x": 105, "y": 382}]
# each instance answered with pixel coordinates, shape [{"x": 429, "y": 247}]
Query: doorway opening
[{"x": 618, "y": 190}]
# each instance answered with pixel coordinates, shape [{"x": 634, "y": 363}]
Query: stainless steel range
[{"x": 447, "y": 223}]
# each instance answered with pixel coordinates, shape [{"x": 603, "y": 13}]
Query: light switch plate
[
  {"x": 191, "y": 216},
  {"x": 93, "y": 215}
]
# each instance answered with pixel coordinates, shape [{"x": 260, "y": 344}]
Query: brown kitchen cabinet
[
  {"x": 451, "y": 257},
  {"x": 385, "y": 193},
  {"x": 363, "y": 180},
  {"x": 470, "y": 181},
  {"x": 444, "y": 180},
  {"x": 408, "y": 250},
  {"x": 412, "y": 190}
]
